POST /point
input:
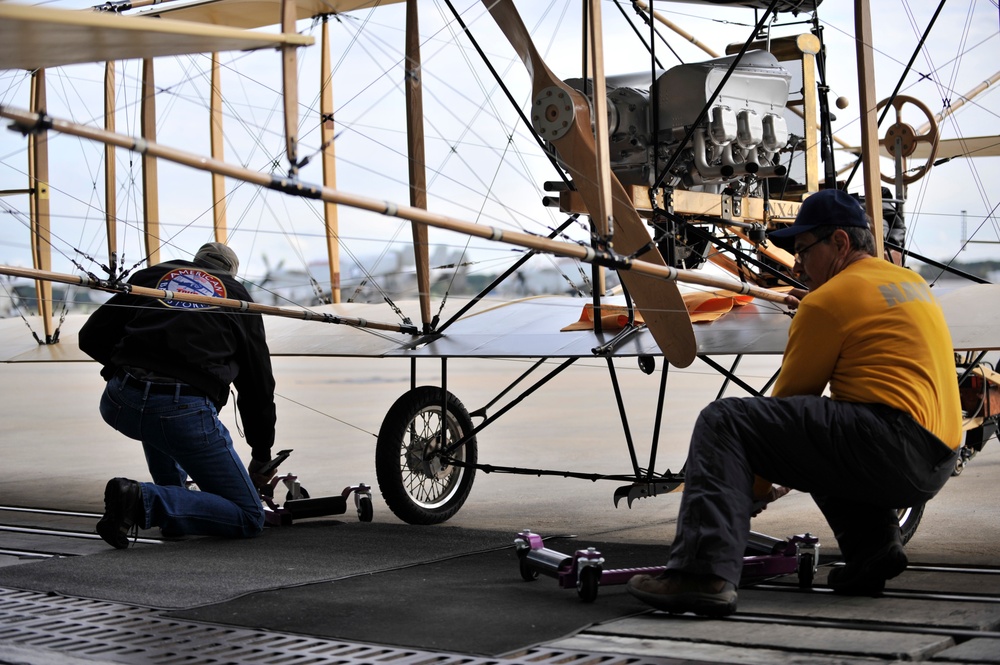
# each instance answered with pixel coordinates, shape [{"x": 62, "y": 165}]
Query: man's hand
[
  {"x": 794, "y": 297},
  {"x": 255, "y": 469},
  {"x": 775, "y": 493}
]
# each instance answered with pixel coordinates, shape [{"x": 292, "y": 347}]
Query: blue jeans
[{"x": 182, "y": 435}]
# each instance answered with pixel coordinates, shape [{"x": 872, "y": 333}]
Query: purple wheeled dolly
[
  {"x": 298, "y": 504},
  {"x": 798, "y": 554},
  {"x": 584, "y": 569}
]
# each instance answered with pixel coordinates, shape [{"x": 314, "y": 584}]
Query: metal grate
[
  {"x": 117, "y": 633},
  {"x": 547, "y": 656}
]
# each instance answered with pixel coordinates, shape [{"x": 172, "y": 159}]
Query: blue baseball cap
[{"x": 828, "y": 207}]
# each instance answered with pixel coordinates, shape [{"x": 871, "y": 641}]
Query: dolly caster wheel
[{"x": 588, "y": 582}]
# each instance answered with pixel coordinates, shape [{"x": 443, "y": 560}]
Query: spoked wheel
[
  {"x": 418, "y": 485},
  {"x": 909, "y": 519}
]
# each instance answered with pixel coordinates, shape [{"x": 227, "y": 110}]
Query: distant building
[{"x": 18, "y": 297}]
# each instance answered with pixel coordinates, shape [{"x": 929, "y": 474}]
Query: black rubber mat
[
  {"x": 209, "y": 570},
  {"x": 475, "y": 603}
]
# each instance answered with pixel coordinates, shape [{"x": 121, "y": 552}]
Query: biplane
[{"x": 651, "y": 162}]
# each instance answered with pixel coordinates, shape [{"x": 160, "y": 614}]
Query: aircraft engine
[{"x": 741, "y": 135}]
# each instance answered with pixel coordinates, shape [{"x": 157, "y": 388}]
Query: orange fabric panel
[{"x": 702, "y": 306}]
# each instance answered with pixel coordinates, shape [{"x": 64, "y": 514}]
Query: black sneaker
[
  {"x": 677, "y": 593},
  {"x": 123, "y": 512},
  {"x": 867, "y": 577}
]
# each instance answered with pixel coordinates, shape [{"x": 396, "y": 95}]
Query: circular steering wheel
[{"x": 908, "y": 138}]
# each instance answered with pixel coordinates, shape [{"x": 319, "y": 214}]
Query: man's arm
[
  {"x": 103, "y": 329},
  {"x": 814, "y": 343},
  {"x": 255, "y": 390}
]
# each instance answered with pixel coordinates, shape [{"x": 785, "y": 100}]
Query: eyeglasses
[{"x": 801, "y": 252}]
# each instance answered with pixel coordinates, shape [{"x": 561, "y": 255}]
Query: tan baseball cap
[{"x": 219, "y": 256}]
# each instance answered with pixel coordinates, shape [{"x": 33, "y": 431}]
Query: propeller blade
[{"x": 562, "y": 116}]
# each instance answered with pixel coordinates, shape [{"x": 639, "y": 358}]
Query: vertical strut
[
  {"x": 621, "y": 411},
  {"x": 150, "y": 179},
  {"x": 327, "y": 134},
  {"x": 41, "y": 219},
  {"x": 217, "y": 138},
  {"x": 660, "y": 400},
  {"x": 110, "y": 172}
]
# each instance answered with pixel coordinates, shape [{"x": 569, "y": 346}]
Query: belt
[{"x": 175, "y": 388}]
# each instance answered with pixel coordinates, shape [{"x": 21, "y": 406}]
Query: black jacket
[{"x": 204, "y": 346}]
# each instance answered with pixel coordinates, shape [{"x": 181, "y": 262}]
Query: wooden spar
[
  {"x": 415, "y": 149},
  {"x": 290, "y": 86},
  {"x": 150, "y": 191},
  {"x": 230, "y": 303},
  {"x": 216, "y": 136},
  {"x": 809, "y": 48},
  {"x": 110, "y": 168},
  {"x": 327, "y": 129},
  {"x": 869, "y": 125},
  {"x": 600, "y": 102},
  {"x": 27, "y": 121},
  {"x": 673, "y": 26},
  {"x": 41, "y": 219},
  {"x": 602, "y": 152}
]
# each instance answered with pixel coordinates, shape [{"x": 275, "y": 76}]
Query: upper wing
[
  {"x": 34, "y": 37},
  {"x": 255, "y": 13}
]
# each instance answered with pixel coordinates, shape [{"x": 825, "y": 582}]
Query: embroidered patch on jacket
[{"x": 194, "y": 281}]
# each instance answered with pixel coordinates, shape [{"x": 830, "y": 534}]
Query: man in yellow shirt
[{"x": 885, "y": 438}]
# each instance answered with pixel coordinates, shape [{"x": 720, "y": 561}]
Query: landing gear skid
[
  {"x": 298, "y": 504},
  {"x": 584, "y": 569}
]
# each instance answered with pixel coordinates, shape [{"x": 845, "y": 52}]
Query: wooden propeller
[{"x": 562, "y": 117}]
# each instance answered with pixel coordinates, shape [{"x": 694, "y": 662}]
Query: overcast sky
[{"x": 467, "y": 142}]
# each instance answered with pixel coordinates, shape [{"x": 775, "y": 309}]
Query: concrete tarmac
[{"x": 58, "y": 455}]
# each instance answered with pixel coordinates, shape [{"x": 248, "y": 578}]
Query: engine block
[{"x": 741, "y": 135}]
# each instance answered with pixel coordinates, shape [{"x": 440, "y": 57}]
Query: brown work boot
[
  {"x": 867, "y": 577},
  {"x": 677, "y": 592}
]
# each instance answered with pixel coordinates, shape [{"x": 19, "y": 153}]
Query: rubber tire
[
  {"x": 806, "y": 571},
  {"x": 302, "y": 491},
  {"x": 366, "y": 511},
  {"x": 909, "y": 520},
  {"x": 588, "y": 583},
  {"x": 528, "y": 574},
  {"x": 419, "y": 410}
]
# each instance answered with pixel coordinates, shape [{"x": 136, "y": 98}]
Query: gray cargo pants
[{"x": 860, "y": 462}]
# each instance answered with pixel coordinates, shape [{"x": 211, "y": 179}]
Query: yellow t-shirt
[{"x": 875, "y": 334}]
